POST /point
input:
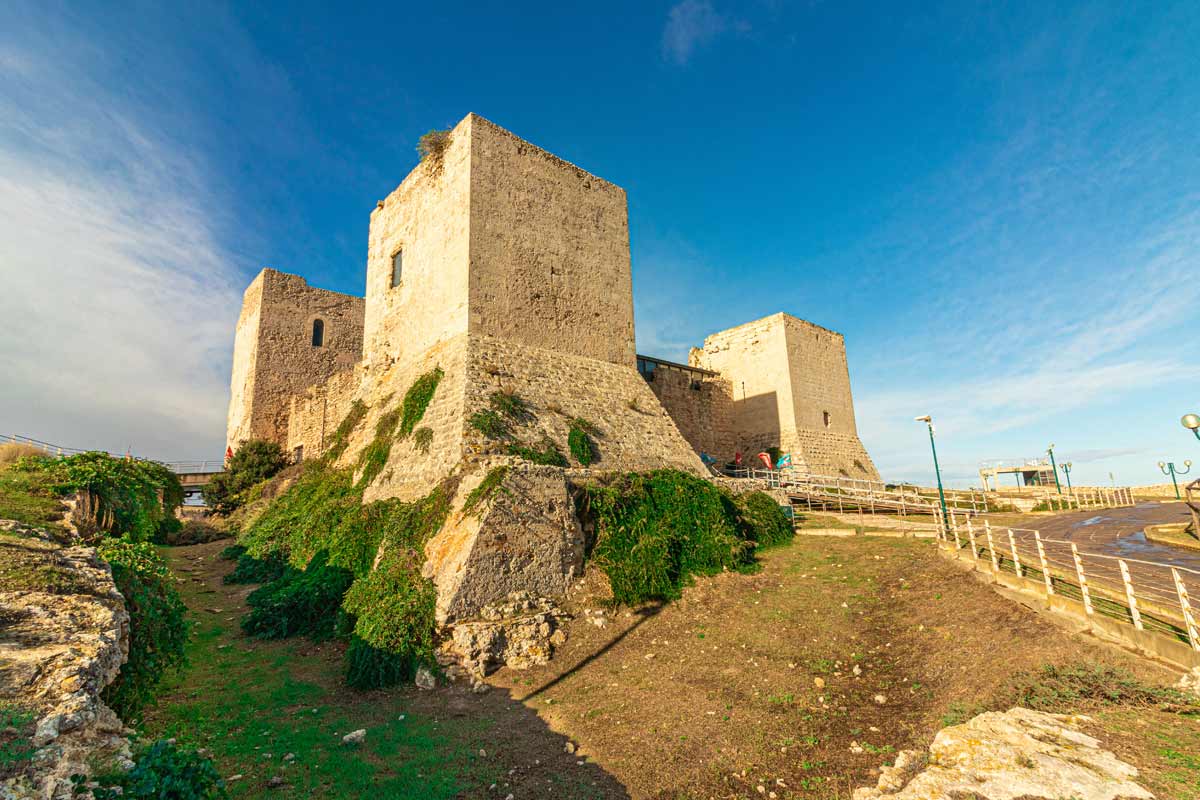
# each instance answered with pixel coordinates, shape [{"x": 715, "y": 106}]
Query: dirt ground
[{"x": 801, "y": 679}]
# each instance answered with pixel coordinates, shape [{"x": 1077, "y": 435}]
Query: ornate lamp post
[
  {"x": 1168, "y": 468},
  {"x": 928, "y": 420},
  {"x": 1066, "y": 468},
  {"x": 1192, "y": 423},
  {"x": 1054, "y": 468}
]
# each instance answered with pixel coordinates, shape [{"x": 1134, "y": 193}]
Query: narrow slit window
[
  {"x": 828, "y": 418},
  {"x": 397, "y": 267},
  {"x": 318, "y": 333}
]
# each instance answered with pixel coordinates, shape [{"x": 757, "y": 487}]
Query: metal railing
[
  {"x": 832, "y": 491},
  {"x": 1077, "y": 498},
  {"x": 184, "y": 467},
  {"x": 1149, "y": 595}
]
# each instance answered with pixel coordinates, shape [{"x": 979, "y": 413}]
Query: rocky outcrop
[
  {"x": 520, "y": 631},
  {"x": 1013, "y": 755},
  {"x": 64, "y": 634}
]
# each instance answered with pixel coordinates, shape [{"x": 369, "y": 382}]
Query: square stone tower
[
  {"x": 496, "y": 237},
  {"x": 289, "y": 335}
]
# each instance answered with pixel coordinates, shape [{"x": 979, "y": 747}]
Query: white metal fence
[
  {"x": 1149, "y": 595},
  {"x": 211, "y": 465}
]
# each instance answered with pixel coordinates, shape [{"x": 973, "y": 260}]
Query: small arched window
[{"x": 318, "y": 333}]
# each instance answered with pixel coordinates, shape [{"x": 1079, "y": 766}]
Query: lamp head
[
  {"x": 1188, "y": 464},
  {"x": 1190, "y": 421},
  {"x": 1162, "y": 464},
  {"x": 928, "y": 418},
  {"x": 1051, "y": 447}
]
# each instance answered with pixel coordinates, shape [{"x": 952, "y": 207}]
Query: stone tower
[{"x": 289, "y": 335}]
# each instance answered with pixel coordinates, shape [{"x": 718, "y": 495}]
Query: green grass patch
[
  {"x": 1055, "y": 688},
  {"x": 511, "y": 405},
  {"x": 489, "y": 423},
  {"x": 30, "y": 496},
  {"x": 16, "y": 738},
  {"x": 163, "y": 771},
  {"x": 417, "y": 398},
  {"x": 580, "y": 443}
]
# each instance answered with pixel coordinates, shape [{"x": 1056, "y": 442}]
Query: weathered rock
[
  {"x": 520, "y": 631},
  {"x": 355, "y": 738},
  {"x": 425, "y": 679},
  {"x": 1190, "y": 682},
  {"x": 524, "y": 537},
  {"x": 1015, "y": 755},
  {"x": 64, "y": 638}
]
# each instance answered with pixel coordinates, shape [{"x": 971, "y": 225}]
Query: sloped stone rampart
[{"x": 59, "y": 647}]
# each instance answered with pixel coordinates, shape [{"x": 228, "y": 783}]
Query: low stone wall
[{"x": 64, "y": 638}]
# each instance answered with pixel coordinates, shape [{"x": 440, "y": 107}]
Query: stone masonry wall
[
  {"x": 701, "y": 407},
  {"x": 274, "y": 356},
  {"x": 314, "y": 415},
  {"x": 549, "y": 251}
]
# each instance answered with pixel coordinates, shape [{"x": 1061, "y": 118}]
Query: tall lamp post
[
  {"x": 928, "y": 420},
  {"x": 1192, "y": 423},
  {"x": 1054, "y": 468},
  {"x": 1168, "y": 468},
  {"x": 1066, "y": 468}
]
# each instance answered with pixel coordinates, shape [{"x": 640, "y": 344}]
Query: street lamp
[
  {"x": 1054, "y": 468},
  {"x": 1066, "y": 468},
  {"x": 1168, "y": 468},
  {"x": 928, "y": 420},
  {"x": 1192, "y": 423}
]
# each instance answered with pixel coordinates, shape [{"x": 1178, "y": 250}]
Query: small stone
[
  {"x": 569, "y": 747},
  {"x": 857, "y": 670},
  {"x": 482, "y": 753},
  {"x": 855, "y": 747},
  {"x": 425, "y": 679},
  {"x": 819, "y": 683},
  {"x": 881, "y": 699},
  {"x": 275, "y": 782},
  {"x": 236, "y": 777},
  {"x": 355, "y": 738},
  {"x": 290, "y": 757}
]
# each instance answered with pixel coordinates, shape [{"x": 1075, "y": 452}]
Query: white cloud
[
  {"x": 118, "y": 300},
  {"x": 691, "y": 24}
]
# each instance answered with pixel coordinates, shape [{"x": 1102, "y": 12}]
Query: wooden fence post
[
  {"x": 1012, "y": 542},
  {"x": 957, "y": 539},
  {"x": 987, "y": 527},
  {"x": 1083, "y": 587},
  {"x": 1129, "y": 595},
  {"x": 971, "y": 536},
  {"x": 1037, "y": 537},
  {"x": 1189, "y": 622}
]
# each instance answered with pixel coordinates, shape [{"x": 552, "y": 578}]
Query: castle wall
[
  {"x": 274, "y": 356},
  {"x": 701, "y": 408},
  {"x": 428, "y": 218},
  {"x": 549, "y": 251},
  {"x": 315, "y": 414}
]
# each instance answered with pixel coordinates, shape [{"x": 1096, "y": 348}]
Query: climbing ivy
[{"x": 417, "y": 398}]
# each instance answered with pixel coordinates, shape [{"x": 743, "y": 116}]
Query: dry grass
[{"x": 11, "y": 451}]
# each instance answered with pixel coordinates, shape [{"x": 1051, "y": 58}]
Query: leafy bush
[
  {"x": 579, "y": 441},
  {"x": 298, "y": 523},
  {"x": 422, "y": 438},
  {"x": 545, "y": 453},
  {"x": 374, "y": 456},
  {"x": 489, "y": 423},
  {"x": 369, "y": 667},
  {"x": 511, "y": 405},
  {"x": 433, "y": 144},
  {"x": 232, "y": 553},
  {"x": 486, "y": 488},
  {"x": 763, "y": 520},
  {"x": 298, "y": 602},
  {"x": 164, "y": 772},
  {"x": 158, "y": 628},
  {"x": 417, "y": 398},
  {"x": 394, "y": 606},
  {"x": 656, "y": 530},
  {"x": 252, "y": 570},
  {"x": 253, "y": 463}
]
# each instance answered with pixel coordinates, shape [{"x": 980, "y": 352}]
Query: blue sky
[{"x": 997, "y": 204}]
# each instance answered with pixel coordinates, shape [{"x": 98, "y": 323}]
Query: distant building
[{"x": 1024, "y": 472}]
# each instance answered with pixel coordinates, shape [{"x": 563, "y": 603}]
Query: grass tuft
[{"x": 482, "y": 493}]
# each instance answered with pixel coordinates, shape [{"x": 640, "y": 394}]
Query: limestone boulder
[
  {"x": 524, "y": 537},
  {"x": 1013, "y": 755},
  {"x": 519, "y": 632}
]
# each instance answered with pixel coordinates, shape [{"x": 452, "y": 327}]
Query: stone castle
[{"x": 509, "y": 268}]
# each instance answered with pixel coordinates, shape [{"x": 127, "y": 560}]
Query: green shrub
[
  {"x": 341, "y": 436},
  {"x": 432, "y": 145},
  {"x": 511, "y": 405},
  {"x": 254, "y": 462},
  {"x": 369, "y": 667},
  {"x": 299, "y": 522},
  {"x": 417, "y": 398},
  {"x": 422, "y": 438},
  {"x": 252, "y": 570},
  {"x": 763, "y": 519},
  {"x": 394, "y": 607},
  {"x": 486, "y": 488},
  {"x": 580, "y": 443},
  {"x": 298, "y": 602},
  {"x": 489, "y": 423},
  {"x": 162, "y": 771},
  {"x": 158, "y": 628},
  {"x": 656, "y": 530},
  {"x": 545, "y": 453},
  {"x": 232, "y": 553},
  {"x": 17, "y": 727},
  {"x": 374, "y": 456}
]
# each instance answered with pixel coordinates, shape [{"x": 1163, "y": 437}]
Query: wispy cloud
[
  {"x": 690, "y": 25},
  {"x": 119, "y": 299}
]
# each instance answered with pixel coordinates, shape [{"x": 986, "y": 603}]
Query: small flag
[{"x": 784, "y": 462}]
